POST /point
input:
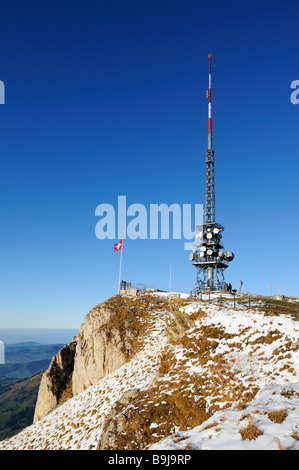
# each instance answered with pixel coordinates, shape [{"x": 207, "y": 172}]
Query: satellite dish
[
  {"x": 210, "y": 252},
  {"x": 203, "y": 248},
  {"x": 228, "y": 255},
  {"x": 191, "y": 256},
  {"x": 216, "y": 230},
  {"x": 201, "y": 254},
  {"x": 209, "y": 235}
]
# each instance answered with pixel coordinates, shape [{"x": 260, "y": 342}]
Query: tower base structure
[{"x": 209, "y": 258}]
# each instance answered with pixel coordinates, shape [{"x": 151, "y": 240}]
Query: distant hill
[
  {"x": 23, "y": 360},
  {"x": 29, "y": 351},
  {"x": 23, "y": 370},
  {"x": 19, "y": 382},
  {"x": 17, "y": 404}
]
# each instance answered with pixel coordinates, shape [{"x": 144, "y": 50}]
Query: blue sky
[{"x": 107, "y": 98}]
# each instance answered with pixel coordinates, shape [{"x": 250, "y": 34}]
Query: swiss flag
[{"x": 118, "y": 246}]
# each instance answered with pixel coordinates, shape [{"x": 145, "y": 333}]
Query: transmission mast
[
  {"x": 210, "y": 185},
  {"x": 208, "y": 256}
]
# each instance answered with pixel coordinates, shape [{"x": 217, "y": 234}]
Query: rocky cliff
[
  {"x": 107, "y": 338},
  {"x": 55, "y": 381}
]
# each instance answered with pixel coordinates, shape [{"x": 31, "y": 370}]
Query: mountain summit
[{"x": 151, "y": 372}]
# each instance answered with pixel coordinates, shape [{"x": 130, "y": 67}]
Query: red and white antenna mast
[
  {"x": 209, "y": 94},
  {"x": 210, "y": 189}
]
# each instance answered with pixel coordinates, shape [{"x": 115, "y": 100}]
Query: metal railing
[
  {"x": 124, "y": 285},
  {"x": 141, "y": 287}
]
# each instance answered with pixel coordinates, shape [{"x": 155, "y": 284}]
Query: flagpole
[{"x": 121, "y": 257}]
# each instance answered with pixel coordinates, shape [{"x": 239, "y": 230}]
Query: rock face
[
  {"x": 103, "y": 344},
  {"x": 55, "y": 380},
  {"x": 101, "y": 348}
]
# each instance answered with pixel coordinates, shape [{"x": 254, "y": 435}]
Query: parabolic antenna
[{"x": 228, "y": 255}]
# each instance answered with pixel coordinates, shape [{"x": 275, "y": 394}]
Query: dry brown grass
[
  {"x": 271, "y": 336},
  {"x": 132, "y": 319},
  {"x": 280, "y": 445},
  {"x": 166, "y": 412},
  {"x": 277, "y": 416},
  {"x": 250, "y": 432}
]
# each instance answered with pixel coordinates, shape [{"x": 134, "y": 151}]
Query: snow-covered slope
[
  {"x": 269, "y": 422},
  {"x": 208, "y": 376}
]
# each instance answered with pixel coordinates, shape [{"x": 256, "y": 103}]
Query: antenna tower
[{"x": 208, "y": 256}]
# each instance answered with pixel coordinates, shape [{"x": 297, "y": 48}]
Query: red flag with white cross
[{"x": 118, "y": 246}]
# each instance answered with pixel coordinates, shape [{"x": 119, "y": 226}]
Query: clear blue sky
[{"x": 107, "y": 98}]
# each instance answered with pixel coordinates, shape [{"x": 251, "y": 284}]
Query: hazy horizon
[{"x": 39, "y": 335}]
